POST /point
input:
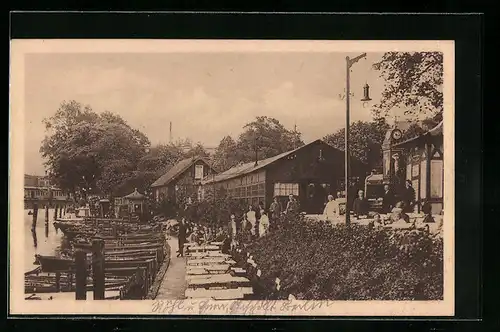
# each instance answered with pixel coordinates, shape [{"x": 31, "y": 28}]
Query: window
[
  {"x": 408, "y": 170},
  {"x": 198, "y": 172},
  {"x": 261, "y": 189},
  {"x": 414, "y": 171},
  {"x": 423, "y": 178},
  {"x": 285, "y": 189},
  {"x": 436, "y": 178},
  {"x": 255, "y": 189}
]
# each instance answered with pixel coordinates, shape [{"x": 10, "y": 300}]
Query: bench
[
  {"x": 210, "y": 261},
  {"x": 224, "y": 280},
  {"x": 209, "y": 269}
]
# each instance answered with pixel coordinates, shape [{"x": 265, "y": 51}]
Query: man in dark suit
[
  {"x": 388, "y": 199},
  {"x": 360, "y": 205}
]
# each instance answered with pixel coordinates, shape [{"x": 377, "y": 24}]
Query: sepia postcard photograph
[{"x": 231, "y": 177}]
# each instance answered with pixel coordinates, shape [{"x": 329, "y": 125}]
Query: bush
[{"x": 320, "y": 261}]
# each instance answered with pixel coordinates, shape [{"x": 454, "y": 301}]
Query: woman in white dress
[
  {"x": 252, "y": 219},
  {"x": 232, "y": 226},
  {"x": 331, "y": 211},
  {"x": 263, "y": 223}
]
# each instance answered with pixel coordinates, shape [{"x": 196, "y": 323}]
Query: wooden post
[
  {"x": 35, "y": 215},
  {"x": 47, "y": 213},
  {"x": 60, "y": 211},
  {"x": 55, "y": 212},
  {"x": 98, "y": 268},
  {"x": 81, "y": 275},
  {"x": 58, "y": 281}
]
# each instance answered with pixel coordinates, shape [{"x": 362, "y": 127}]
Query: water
[{"x": 46, "y": 240}]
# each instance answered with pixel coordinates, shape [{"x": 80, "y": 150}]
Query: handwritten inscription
[{"x": 264, "y": 307}]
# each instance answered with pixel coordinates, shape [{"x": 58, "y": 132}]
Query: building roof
[
  {"x": 41, "y": 188},
  {"x": 250, "y": 167},
  {"x": 177, "y": 170},
  {"x": 135, "y": 195},
  {"x": 436, "y": 131}
]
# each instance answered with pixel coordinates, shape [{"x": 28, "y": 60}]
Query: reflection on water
[{"x": 51, "y": 244}]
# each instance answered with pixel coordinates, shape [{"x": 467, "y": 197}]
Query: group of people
[
  {"x": 249, "y": 225},
  {"x": 189, "y": 232},
  {"x": 397, "y": 205}
]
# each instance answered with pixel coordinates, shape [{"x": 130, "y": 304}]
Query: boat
[
  {"x": 53, "y": 263},
  {"x": 63, "y": 225},
  {"x": 47, "y": 283},
  {"x": 114, "y": 247}
]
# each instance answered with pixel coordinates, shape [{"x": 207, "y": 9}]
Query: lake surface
[{"x": 46, "y": 240}]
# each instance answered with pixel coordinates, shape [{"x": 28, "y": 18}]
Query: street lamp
[{"x": 366, "y": 98}]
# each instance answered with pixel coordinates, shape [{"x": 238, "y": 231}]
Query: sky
[{"x": 206, "y": 96}]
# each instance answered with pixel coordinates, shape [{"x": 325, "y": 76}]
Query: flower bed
[{"x": 319, "y": 261}]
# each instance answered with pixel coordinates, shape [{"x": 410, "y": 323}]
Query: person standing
[
  {"x": 275, "y": 210},
  {"x": 360, "y": 205},
  {"x": 331, "y": 211},
  {"x": 233, "y": 227},
  {"x": 388, "y": 200},
  {"x": 408, "y": 196},
  {"x": 251, "y": 217},
  {"x": 292, "y": 206},
  {"x": 263, "y": 223},
  {"x": 181, "y": 237}
]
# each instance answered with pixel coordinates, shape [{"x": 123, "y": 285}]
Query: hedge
[{"x": 318, "y": 261}]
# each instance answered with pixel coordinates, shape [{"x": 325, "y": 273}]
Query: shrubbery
[{"x": 321, "y": 261}]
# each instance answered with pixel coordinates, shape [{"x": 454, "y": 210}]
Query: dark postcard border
[{"x": 466, "y": 30}]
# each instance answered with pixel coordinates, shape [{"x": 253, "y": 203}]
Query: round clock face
[{"x": 396, "y": 134}]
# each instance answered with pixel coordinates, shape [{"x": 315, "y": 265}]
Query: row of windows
[
  {"x": 286, "y": 189},
  {"x": 248, "y": 191},
  {"x": 42, "y": 193}
]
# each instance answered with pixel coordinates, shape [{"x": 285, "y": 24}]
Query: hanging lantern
[{"x": 366, "y": 93}]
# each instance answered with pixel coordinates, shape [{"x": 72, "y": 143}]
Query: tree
[
  {"x": 270, "y": 137},
  {"x": 418, "y": 128},
  {"x": 366, "y": 140},
  {"x": 225, "y": 155},
  {"x": 413, "y": 81},
  {"x": 88, "y": 152}
]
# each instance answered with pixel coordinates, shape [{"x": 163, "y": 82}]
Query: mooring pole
[
  {"x": 35, "y": 215},
  {"x": 55, "y": 211},
  {"x": 60, "y": 212},
  {"x": 47, "y": 213},
  {"x": 58, "y": 281},
  {"x": 98, "y": 268},
  {"x": 81, "y": 275}
]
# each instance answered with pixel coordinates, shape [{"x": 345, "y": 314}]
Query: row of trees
[{"x": 89, "y": 152}]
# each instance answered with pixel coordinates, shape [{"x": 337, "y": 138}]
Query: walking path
[{"x": 174, "y": 284}]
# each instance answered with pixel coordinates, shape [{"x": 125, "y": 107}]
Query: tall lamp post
[{"x": 349, "y": 63}]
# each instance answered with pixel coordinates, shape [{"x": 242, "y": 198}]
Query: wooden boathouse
[
  {"x": 185, "y": 177},
  {"x": 310, "y": 172}
]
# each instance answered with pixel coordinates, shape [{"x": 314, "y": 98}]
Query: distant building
[
  {"x": 39, "y": 189},
  {"x": 310, "y": 172},
  {"x": 185, "y": 177}
]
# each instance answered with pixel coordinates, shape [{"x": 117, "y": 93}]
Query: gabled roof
[
  {"x": 135, "y": 195},
  {"x": 436, "y": 131},
  {"x": 177, "y": 170},
  {"x": 250, "y": 166}
]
